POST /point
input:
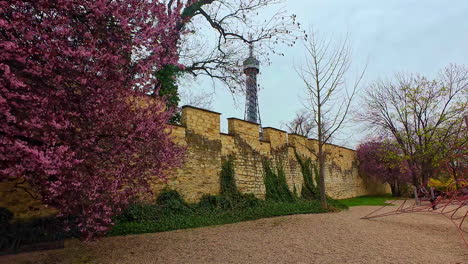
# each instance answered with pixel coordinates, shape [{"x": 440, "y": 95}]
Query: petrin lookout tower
[{"x": 251, "y": 69}]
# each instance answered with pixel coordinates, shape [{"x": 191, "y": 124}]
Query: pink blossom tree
[
  {"x": 382, "y": 161},
  {"x": 74, "y": 121}
]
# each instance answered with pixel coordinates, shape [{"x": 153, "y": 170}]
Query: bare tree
[
  {"x": 303, "y": 124},
  {"x": 328, "y": 99},
  {"x": 221, "y": 30},
  {"x": 199, "y": 99},
  {"x": 422, "y": 115}
]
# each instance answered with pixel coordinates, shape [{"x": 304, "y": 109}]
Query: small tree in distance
[{"x": 303, "y": 124}]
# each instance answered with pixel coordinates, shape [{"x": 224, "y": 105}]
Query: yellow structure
[{"x": 207, "y": 148}]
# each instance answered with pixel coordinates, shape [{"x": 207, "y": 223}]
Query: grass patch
[{"x": 367, "y": 200}]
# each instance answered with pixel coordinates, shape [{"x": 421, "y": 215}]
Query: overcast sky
[{"x": 389, "y": 35}]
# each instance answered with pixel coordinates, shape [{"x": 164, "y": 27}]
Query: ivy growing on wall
[
  {"x": 168, "y": 89},
  {"x": 171, "y": 212},
  {"x": 275, "y": 184},
  {"x": 309, "y": 190},
  {"x": 227, "y": 180},
  {"x": 229, "y": 197}
]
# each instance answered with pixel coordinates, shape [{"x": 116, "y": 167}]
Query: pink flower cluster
[{"x": 72, "y": 78}]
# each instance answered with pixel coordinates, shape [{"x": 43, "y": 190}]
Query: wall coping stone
[
  {"x": 206, "y": 110},
  {"x": 295, "y": 134},
  {"x": 333, "y": 144},
  {"x": 177, "y": 125},
  {"x": 234, "y": 118},
  {"x": 275, "y": 129}
]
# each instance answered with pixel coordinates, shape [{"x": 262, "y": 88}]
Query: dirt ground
[{"x": 316, "y": 238}]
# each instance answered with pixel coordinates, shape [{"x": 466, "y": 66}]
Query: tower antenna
[{"x": 251, "y": 70}]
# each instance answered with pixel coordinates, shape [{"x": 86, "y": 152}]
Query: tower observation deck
[{"x": 251, "y": 69}]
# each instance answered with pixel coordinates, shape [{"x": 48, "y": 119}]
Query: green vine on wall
[
  {"x": 227, "y": 178},
  {"x": 229, "y": 197},
  {"x": 275, "y": 184},
  {"x": 309, "y": 190}
]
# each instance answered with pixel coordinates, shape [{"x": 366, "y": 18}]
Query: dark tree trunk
[
  {"x": 323, "y": 195},
  {"x": 395, "y": 187},
  {"x": 414, "y": 174}
]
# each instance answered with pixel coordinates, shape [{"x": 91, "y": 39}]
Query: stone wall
[
  {"x": 207, "y": 148},
  {"x": 21, "y": 203}
]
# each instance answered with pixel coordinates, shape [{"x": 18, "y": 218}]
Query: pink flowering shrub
[
  {"x": 382, "y": 161},
  {"x": 72, "y": 78}
]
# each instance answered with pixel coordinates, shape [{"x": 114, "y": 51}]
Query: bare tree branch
[
  {"x": 303, "y": 124},
  {"x": 221, "y": 31}
]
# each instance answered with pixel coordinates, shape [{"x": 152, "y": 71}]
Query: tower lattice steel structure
[{"x": 251, "y": 69}]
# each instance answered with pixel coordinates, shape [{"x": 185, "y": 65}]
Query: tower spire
[{"x": 251, "y": 69}]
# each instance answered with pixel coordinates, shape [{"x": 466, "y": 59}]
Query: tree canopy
[
  {"x": 75, "y": 122},
  {"x": 423, "y": 116},
  {"x": 383, "y": 161}
]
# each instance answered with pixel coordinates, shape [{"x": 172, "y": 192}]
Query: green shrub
[
  {"x": 139, "y": 212},
  {"x": 217, "y": 217},
  {"x": 249, "y": 200},
  {"x": 221, "y": 202},
  {"x": 170, "y": 198},
  {"x": 170, "y": 201},
  {"x": 215, "y": 202}
]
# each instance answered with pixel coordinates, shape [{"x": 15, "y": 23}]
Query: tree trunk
[
  {"x": 396, "y": 190},
  {"x": 323, "y": 194},
  {"x": 424, "y": 174},
  {"x": 392, "y": 187},
  {"x": 414, "y": 174},
  {"x": 455, "y": 176}
]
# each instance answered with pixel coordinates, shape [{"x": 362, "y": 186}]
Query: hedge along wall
[{"x": 207, "y": 148}]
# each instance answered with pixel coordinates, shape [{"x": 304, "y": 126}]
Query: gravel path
[{"x": 315, "y": 238}]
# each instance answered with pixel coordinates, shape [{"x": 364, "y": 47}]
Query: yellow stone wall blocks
[{"x": 206, "y": 148}]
